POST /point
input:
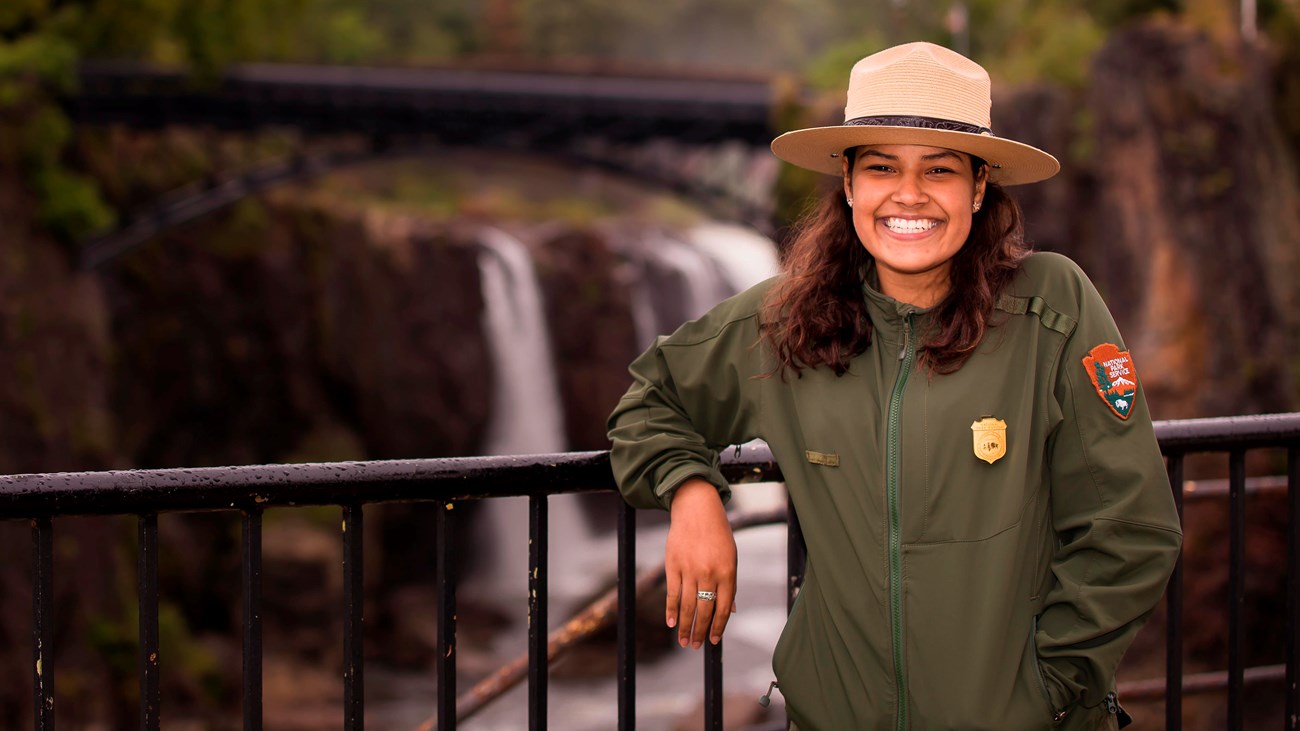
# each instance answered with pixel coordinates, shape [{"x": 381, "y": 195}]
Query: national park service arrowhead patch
[{"x": 1114, "y": 376}]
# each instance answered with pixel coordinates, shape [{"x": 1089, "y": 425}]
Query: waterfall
[
  {"x": 682, "y": 278},
  {"x": 527, "y": 417},
  {"x": 699, "y": 286},
  {"x": 644, "y": 320},
  {"x": 745, "y": 256}
]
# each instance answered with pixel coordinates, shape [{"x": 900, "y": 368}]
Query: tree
[{"x": 1103, "y": 381}]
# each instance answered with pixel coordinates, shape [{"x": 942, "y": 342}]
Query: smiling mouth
[{"x": 910, "y": 225}]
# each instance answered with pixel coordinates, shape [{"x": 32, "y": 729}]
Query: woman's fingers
[
  {"x": 700, "y": 556},
  {"x": 688, "y": 612},
  {"x": 697, "y": 618},
  {"x": 726, "y": 605},
  {"x": 674, "y": 581},
  {"x": 704, "y": 611}
]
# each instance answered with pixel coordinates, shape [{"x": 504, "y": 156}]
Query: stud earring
[
  {"x": 975, "y": 208},
  {"x": 849, "y": 201}
]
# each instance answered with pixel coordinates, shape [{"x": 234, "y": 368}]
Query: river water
[{"x": 669, "y": 687}]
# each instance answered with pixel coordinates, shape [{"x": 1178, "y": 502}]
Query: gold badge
[{"x": 990, "y": 439}]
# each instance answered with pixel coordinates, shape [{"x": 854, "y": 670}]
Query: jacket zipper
[{"x": 906, "y": 355}]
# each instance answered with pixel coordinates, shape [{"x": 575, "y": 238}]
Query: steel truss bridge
[{"x": 654, "y": 127}]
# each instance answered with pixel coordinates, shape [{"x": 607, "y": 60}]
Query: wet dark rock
[
  {"x": 321, "y": 344},
  {"x": 592, "y": 333},
  {"x": 1179, "y": 198}
]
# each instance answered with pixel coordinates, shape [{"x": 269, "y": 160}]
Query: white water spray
[
  {"x": 526, "y": 414},
  {"x": 702, "y": 284},
  {"x": 527, "y": 418},
  {"x": 745, "y": 256}
]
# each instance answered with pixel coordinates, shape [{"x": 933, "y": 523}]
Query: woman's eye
[{"x": 940, "y": 171}]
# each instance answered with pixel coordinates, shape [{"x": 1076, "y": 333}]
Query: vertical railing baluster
[
  {"x": 1236, "y": 586},
  {"x": 796, "y": 560},
  {"x": 712, "y": 685},
  {"x": 1292, "y": 720},
  {"x": 796, "y": 555},
  {"x": 626, "y": 617},
  {"x": 538, "y": 536},
  {"x": 445, "y": 585},
  {"x": 43, "y": 622},
  {"x": 354, "y": 687},
  {"x": 147, "y": 582},
  {"x": 1174, "y": 615},
  {"x": 251, "y": 561}
]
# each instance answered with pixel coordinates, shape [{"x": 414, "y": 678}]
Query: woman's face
[{"x": 912, "y": 209}]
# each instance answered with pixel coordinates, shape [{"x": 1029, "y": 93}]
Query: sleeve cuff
[{"x": 678, "y": 475}]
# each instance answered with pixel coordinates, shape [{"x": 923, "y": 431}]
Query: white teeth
[{"x": 910, "y": 225}]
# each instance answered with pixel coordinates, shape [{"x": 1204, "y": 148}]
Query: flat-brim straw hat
[{"x": 917, "y": 94}]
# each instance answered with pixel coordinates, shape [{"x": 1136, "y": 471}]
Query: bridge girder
[{"x": 600, "y": 120}]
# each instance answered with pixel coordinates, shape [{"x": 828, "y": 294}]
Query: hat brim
[{"x": 821, "y": 149}]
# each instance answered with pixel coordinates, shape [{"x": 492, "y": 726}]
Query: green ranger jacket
[{"x": 982, "y": 546}]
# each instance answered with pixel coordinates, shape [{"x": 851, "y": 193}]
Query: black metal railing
[{"x": 353, "y": 485}]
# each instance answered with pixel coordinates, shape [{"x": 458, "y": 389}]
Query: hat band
[{"x": 948, "y": 125}]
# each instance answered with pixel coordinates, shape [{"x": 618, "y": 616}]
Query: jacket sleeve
[
  {"x": 692, "y": 394},
  {"x": 1117, "y": 529}
]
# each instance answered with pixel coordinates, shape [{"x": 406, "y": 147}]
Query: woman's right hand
[{"x": 700, "y": 556}]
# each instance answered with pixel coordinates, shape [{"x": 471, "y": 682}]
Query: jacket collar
[{"x": 887, "y": 313}]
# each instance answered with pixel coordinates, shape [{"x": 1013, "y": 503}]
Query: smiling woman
[
  {"x": 913, "y": 213},
  {"x": 986, "y": 528}
]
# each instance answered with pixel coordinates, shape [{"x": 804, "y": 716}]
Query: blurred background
[{"x": 264, "y": 231}]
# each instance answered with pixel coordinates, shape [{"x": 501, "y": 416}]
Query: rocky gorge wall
[
  {"x": 1179, "y": 197},
  {"x": 304, "y": 326}
]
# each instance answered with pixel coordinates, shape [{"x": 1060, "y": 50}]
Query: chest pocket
[{"x": 981, "y": 454}]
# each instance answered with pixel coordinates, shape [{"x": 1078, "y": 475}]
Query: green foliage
[
  {"x": 71, "y": 206},
  {"x": 114, "y": 642},
  {"x": 189, "y": 658},
  {"x": 1052, "y": 43},
  {"x": 216, "y": 32},
  {"x": 830, "y": 70},
  {"x": 372, "y": 32},
  {"x": 732, "y": 34},
  {"x": 384, "y": 31},
  {"x": 50, "y": 58},
  {"x": 14, "y": 13},
  {"x": 1281, "y": 19},
  {"x": 348, "y": 38},
  {"x": 1114, "y": 13}
]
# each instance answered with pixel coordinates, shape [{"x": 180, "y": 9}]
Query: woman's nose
[{"x": 910, "y": 191}]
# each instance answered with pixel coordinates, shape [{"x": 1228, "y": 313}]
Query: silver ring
[{"x": 706, "y": 596}]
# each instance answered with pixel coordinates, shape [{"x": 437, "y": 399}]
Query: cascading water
[
  {"x": 527, "y": 417},
  {"x": 644, "y": 319},
  {"x": 700, "y": 285},
  {"x": 683, "y": 276},
  {"x": 680, "y": 278},
  {"x": 745, "y": 256}
]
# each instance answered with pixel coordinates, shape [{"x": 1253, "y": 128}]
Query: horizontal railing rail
[{"x": 351, "y": 485}]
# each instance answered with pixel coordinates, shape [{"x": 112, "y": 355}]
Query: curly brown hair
[{"x": 816, "y": 314}]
